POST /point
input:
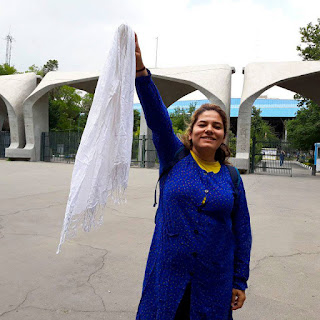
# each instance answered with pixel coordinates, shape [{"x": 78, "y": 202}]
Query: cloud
[
  {"x": 232, "y": 32},
  {"x": 79, "y": 33}
]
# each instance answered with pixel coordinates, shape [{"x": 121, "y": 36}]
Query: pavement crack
[
  {"x": 33, "y": 195},
  {"x": 125, "y": 216},
  {"x": 278, "y": 300},
  {"x": 26, "y": 210},
  {"x": 284, "y": 256},
  {"x": 30, "y": 234},
  {"x": 87, "y": 245},
  {"x": 95, "y": 272},
  {"x": 65, "y": 310},
  {"x": 20, "y": 304},
  {"x": 38, "y": 308}
]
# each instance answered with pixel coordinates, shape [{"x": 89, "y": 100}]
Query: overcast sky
[{"x": 78, "y": 33}]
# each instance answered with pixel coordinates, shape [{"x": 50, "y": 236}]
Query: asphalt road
[{"x": 98, "y": 275}]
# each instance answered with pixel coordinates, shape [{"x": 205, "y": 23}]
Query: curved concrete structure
[
  {"x": 14, "y": 89},
  {"x": 302, "y": 77},
  {"x": 214, "y": 81},
  {"x": 3, "y": 110},
  {"x": 35, "y": 108},
  {"x": 19, "y": 93}
]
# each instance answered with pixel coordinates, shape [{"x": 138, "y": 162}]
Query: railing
[
  {"x": 272, "y": 157},
  {"x": 62, "y": 147},
  {"x": 4, "y": 142}
]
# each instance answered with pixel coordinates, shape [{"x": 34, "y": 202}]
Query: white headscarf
[{"x": 102, "y": 162}]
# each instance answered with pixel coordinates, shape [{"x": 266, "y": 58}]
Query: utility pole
[
  {"x": 156, "y": 52},
  {"x": 9, "y": 40}
]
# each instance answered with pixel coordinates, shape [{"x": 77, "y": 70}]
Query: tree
[
  {"x": 35, "y": 69},
  {"x": 232, "y": 143},
  {"x": 64, "y": 109},
  {"x": 51, "y": 65},
  {"x": 65, "y": 104},
  {"x": 309, "y": 50},
  {"x": 86, "y": 102},
  {"x": 5, "y": 69},
  {"x": 136, "y": 122},
  {"x": 304, "y": 130},
  {"x": 181, "y": 117},
  {"x": 261, "y": 129}
]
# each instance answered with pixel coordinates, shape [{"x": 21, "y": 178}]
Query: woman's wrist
[{"x": 141, "y": 71}]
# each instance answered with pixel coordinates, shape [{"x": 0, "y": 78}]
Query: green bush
[{"x": 311, "y": 161}]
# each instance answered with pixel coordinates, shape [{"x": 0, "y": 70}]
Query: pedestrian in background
[{"x": 282, "y": 155}]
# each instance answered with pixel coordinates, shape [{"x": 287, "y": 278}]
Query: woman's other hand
[
  {"x": 238, "y": 298},
  {"x": 139, "y": 62}
]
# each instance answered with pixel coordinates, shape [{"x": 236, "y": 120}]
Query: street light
[{"x": 156, "y": 64}]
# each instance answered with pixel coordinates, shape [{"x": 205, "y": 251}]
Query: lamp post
[{"x": 156, "y": 64}]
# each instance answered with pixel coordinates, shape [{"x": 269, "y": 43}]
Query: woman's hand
[
  {"x": 139, "y": 62},
  {"x": 238, "y": 298}
]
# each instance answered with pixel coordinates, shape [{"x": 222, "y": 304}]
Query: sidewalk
[{"x": 99, "y": 275}]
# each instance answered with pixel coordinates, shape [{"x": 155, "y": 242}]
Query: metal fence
[
  {"x": 4, "y": 142},
  {"x": 272, "y": 157},
  {"x": 62, "y": 147},
  {"x": 59, "y": 146}
]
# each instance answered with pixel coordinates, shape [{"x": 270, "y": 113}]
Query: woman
[{"x": 198, "y": 264}]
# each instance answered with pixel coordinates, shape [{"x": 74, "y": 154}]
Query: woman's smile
[{"x": 208, "y": 138}]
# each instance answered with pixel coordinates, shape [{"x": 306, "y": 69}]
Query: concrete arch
[
  {"x": 35, "y": 107},
  {"x": 174, "y": 83},
  {"x": 214, "y": 81},
  {"x": 3, "y": 111},
  {"x": 302, "y": 77},
  {"x": 13, "y": 91}
]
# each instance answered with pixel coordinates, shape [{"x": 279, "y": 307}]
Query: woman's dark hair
[{"x": 223, "y": 152}]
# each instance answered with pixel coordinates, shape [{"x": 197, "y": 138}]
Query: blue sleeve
[
  {"x": 243, "y": 240},
  {"x": 158, "y": 120}
]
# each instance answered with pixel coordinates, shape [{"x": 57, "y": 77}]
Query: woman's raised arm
[
  {"x": 156, "y": 114},
  {"x": 140, "y": 68}
]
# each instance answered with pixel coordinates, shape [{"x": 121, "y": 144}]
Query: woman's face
[{"x": 208, "y": 132}]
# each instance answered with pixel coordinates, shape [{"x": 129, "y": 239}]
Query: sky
[{"x": 78, "y": 33}]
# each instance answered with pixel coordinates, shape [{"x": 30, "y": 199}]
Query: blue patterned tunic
[{"x": 208, "y": 247}]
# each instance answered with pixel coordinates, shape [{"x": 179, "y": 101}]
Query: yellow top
[{"x": 208, "y": 166}]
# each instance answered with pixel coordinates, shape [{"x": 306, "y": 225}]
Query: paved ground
[{"x": 99, "y": 275}]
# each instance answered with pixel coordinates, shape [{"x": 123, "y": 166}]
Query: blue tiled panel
[{"x": 271, "y": 108}]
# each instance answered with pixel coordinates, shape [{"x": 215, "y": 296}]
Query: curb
[{"x": 303, "y": 165}]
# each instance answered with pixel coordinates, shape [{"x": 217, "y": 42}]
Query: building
[{"x": 275, "y": 111}]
